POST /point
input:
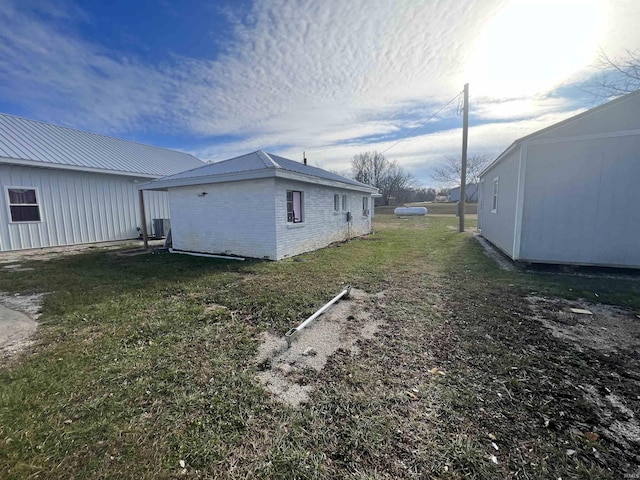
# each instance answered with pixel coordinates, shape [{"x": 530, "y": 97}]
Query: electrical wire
[{"x": 423, "y": 123}]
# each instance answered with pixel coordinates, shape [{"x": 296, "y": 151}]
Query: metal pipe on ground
[
  {"x": 207, "y": 255},
  {"x": 289, "y": 335}
]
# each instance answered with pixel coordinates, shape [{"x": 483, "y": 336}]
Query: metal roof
[
  {"x": 35, "y": 142},
  {"x": 260, "y": 163}
]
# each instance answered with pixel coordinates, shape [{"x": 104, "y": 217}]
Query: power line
[{"x": 423, "y": 123}]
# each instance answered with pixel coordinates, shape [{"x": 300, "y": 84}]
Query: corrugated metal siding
[
  {"x": 75, "y": 207},
  {"x": 26, "y": 139}
]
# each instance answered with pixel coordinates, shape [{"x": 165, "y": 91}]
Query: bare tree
[
  {"x": 617, "y": 75},
  {"x": 387, "y": 176},
  {"x": 369, "y": 168},
  {"x": 448, "y": 172}
]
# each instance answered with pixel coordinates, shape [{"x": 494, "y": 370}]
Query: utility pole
[{"x": 463, "y": 171}]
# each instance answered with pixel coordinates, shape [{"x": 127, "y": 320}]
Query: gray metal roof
[
  {"x": 254, "y": 162},
  {"x": 63, "y": 147}
]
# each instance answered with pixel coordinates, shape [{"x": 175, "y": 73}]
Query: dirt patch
[
  {"x": 608, "y": 329},
  {"x": 18, "y": 315},
  {"x": 49, "y": 253},
  {"x": 615, "y": 334},
  {"x": 288, "y": 372}
]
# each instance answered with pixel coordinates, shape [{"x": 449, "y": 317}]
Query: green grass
[{"x": 135, "y": 369}]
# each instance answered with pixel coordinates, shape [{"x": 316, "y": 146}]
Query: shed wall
[
  {"x": 498, "y": 227},
  {"x": 322, "y": 225},
  {"x": 75, "y": 207},
  {"x": 232, "y": 218},
  {"x": 580, "y": 202},
  {"x": 619, "y": 117}
]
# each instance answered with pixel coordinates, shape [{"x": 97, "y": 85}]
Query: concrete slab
[{"x": 15, "y": 330}]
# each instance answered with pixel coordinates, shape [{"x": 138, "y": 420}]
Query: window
[
  {"x": 23, "y": 204},
  {"x": 365, "y": 206},
  {"x": 494, "y": 202},
  {"x": 294, "y": 206},
  {"x": 336, "y": 202},
  {"x": 344, "y": 203}
]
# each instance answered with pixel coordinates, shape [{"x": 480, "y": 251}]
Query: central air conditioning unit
[{"x": 161, "y": 227}]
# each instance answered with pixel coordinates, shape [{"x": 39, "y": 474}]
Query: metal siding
[
  {"x": 75, "y": 207},
  {"x": 498, "y": 227},
  {"x": 577, "y": 201}
]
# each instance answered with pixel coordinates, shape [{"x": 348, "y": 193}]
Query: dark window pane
[
  {"x": 19, "y": 195},
  {"x": 25, "y": 214}
]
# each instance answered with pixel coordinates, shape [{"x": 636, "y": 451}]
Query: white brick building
[{"x": 263, "y": 206}]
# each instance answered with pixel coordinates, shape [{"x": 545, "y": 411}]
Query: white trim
[
  {"x": 582, "y": 138},
  {"x": 37, "y": 204},
  {"x": 495, "y": 193},
  {"x": 517, "y": 227}
]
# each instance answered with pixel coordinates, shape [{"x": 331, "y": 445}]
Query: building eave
[{"x": 163, "y": 185}]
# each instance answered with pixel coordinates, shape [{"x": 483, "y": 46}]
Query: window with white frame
[
  {"x": 336, "y": 202},
  {"x": 494, "y": 201},
  {"x": 295, "y": 206},
  {"x": 345, "y": 204},
  {"x": 365, "y": 206},
  {"x": 23, "y": 204}
]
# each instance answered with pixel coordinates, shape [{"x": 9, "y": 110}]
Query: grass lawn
[{"x": 138, "y": 366}]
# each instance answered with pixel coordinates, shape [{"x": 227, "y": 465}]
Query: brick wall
[
  {"x": 322, "y": 225},
  {"x": 233, "y": 218}
]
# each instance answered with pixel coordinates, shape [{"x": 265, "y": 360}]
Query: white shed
[
  {"x": 261, "y": 205},
  {"x": 568, "y": 194},
  {"x": 62, "y": 186}
]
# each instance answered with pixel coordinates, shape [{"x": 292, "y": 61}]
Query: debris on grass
[
  {"x": 581, "y": 311},
  {"x": 606, "y": 328},
  {"x": 288, "y": 372}
]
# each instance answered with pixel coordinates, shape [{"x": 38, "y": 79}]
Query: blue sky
[{"x": 332, "y": 78}]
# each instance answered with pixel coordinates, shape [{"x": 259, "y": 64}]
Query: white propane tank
[{"x": 410, "y": 211}]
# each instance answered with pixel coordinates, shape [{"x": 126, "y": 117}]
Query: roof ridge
[
  {"x": 73, "y": 129},
  {"x": 267, "y": 159}
]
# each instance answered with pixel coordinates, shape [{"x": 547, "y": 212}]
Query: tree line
[{"x": 397, "y": 186}]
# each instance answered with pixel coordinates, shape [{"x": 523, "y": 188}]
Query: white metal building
[
  {"x": 471, "y": 193},
  {"x": 569, "y": 193},
  {"x": 261, "y": 205},
  {"x": 62, "y": 186}
]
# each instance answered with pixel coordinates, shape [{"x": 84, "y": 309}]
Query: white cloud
[{"x": 295, "y": 75}]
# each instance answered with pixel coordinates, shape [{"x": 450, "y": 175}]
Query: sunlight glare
[{"x": 532, "y": 46}]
